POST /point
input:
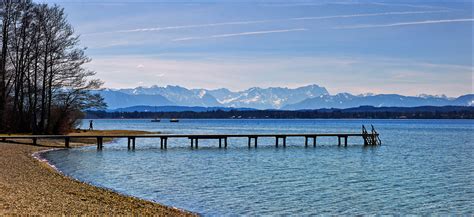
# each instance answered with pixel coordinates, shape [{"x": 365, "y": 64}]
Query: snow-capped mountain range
[{"x": 307, "y": 97}]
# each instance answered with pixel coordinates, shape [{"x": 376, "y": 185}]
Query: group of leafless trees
[{"x": 44, "y": 86}]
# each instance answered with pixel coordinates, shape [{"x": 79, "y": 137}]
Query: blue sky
[{"x": 404, "y": 47}]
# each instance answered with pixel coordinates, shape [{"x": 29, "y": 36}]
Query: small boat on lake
[{"x": 173, "y": 120}]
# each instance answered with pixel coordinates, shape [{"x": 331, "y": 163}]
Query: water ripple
[{"x": 424, "y": 167}]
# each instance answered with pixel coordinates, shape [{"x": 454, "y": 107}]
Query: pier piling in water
[
  {"x": 100, "y": 142},
  {"x": 254, "y": 139}
]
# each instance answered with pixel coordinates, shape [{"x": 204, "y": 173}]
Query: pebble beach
[{"x": 31, "y": 186}]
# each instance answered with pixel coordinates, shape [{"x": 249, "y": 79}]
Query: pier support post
[
  {"x": 128, "y": 142},
  {"x": 220, "y": 142},
  {"x": 197, "y": 143},
  {"x": 284, "y": 142},
  {"x": 166, "y": 142},
  {"x": 255, "y": 140},
  {"x": 99, "y": 143},
  {"x": 345, "y": 141},
  {"x": 306, "y": 141},
  {"x": 161, "y": 142},
  {"x": 339, "y": 141},
  {"x": 192, "y": 142},
  {"x": 314, "y": 141},
  {"x": 225, "y": 142},
  {"x": 276, "y": 141},
  {"x": 66, "y": 142},
  {"x": 35, "y": 141},
  {"x": 133, "y": 143}
]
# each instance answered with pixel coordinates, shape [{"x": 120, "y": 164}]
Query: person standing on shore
[{"x": 91, "y": 125}]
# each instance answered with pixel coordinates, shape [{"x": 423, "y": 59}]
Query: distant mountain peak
[
  {"x": 366, "y": 94},
  {"x": 310, "y": 96},
  {"x": 432, "y": 96}
]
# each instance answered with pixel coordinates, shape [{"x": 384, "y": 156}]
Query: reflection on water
[{"x": 422, "y": 167}]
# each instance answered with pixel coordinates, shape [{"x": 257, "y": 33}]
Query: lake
[{"x": 422, "y": 167}]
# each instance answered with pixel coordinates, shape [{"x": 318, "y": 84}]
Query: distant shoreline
[
  {"x": 363, "y": 112},
  {"x": 33, "y": 186}
]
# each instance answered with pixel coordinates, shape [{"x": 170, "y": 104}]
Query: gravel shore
[{"x": 28, "y": 186}]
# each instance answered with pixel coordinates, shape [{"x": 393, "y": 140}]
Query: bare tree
[{"x": 42, "y": 69}]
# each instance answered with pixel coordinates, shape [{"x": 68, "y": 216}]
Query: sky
[{"x": 404, "y": 47}]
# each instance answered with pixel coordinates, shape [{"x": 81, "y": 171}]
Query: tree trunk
[{"x": 3, "y": 62}]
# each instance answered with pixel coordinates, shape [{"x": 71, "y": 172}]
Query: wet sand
[{"x": 29, "y": 186}]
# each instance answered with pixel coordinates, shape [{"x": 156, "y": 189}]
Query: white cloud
[
  {"x": 240, "y": 34},
  {"x": 404, "y": 24}
]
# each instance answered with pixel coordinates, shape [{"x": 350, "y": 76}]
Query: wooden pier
[{"x": 370, "y": 139}]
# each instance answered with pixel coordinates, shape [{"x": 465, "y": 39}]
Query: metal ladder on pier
[{"x": 372, "y": 138}]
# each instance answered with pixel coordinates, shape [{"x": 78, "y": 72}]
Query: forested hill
[{"x": 424, "y": 112}]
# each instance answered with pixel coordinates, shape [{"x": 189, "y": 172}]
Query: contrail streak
[
  {"x": 404, "y": 24},
  {"x": 240, "y": 34},
  {"x": 367, "y": 15},
  {"x": 268, "y": 21}
]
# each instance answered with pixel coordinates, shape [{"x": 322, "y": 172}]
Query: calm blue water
[{"x": 423, "y": 167}]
